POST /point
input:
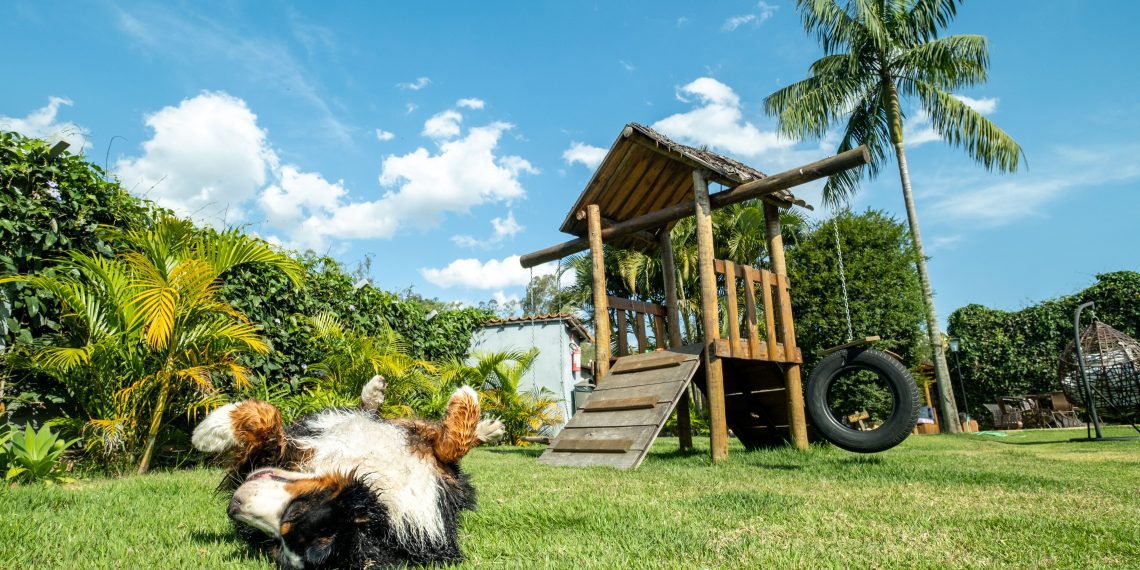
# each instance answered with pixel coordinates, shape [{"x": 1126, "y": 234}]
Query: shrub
[{"x": 29, "y": 456}]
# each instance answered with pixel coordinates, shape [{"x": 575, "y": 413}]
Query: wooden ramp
[{"x": 626, "y": 412}]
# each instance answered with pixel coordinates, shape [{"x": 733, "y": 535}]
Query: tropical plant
[
  {"x": 147, "y": 331},
  {"x": 352, "y": 358},
  {"x": 29, "y": 456},
  {"x": 874, "y": 52},
  {"x": 523, "y": 413}
]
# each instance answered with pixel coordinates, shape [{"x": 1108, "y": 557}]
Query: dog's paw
[
  {"x": 490, "y": 431},
  {"x": 373, "y": 393},
  {"x": 216, "y": 433}
]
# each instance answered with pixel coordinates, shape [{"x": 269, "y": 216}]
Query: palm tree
[
  {"x": 352, "y": 358},
  {"x": 148, "y": 329},
  {"x": 499, "y": 374},
  {"x": 875, "y": 51}
]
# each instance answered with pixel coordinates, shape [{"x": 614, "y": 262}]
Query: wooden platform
[{"x": 626, "y": 411}]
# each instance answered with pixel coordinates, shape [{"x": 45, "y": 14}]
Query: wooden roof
[{"x": 645, "y": 171}]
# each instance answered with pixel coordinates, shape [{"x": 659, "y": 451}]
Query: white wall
[{"x": 552, "y": 367}]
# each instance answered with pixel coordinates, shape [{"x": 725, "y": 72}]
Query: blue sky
[{"x": 444, "y": 138}]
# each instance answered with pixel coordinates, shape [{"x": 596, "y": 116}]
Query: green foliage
[
  {"x": 48, "y": 206},
  {"x": 498, "y": 374},
  {"x": 29, "y": 456},
  {"x": 877, "y": 51},
  {"x": 147, "y": 329},
  {"x": 1017, "y": 352},
  {"x": 883, "y": 290}
]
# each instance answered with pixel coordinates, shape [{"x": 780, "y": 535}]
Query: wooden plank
[
  {"x": 601, "y": 311},
  {"x": 635, "y": 306},
  {"x": 743, "y": 192},
  {"x": 769, "y": 310},
  {"x": 859, "y": 342},
  {"x": 627, "y": 366},
  {"x": 796, "y": 415},
  {"x": 639, "y": 328},
  {"x": 628, "y": 460},
  {"x": 646, "y": 377},
  {"x": 714, "y": 374},
  {"x": 622, "y": 418},
  {"x": 669, "y": 270},
  {"x": 658, "y": 391},
  {"x": 593, "y": 445},
  {"x": 750, "y": 312},
  {"x": 730, "y": 300},
  {"x": 623, "y": 334},
  {"x": 598, "y": 404},
  {"x": 659, "y": 332},
  {"x": 628, "y": 191}
]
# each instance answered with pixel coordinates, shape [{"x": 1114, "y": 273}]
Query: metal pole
[
  {"x": 1081, "y": 365},
  {"x": 962, "y": 381}
]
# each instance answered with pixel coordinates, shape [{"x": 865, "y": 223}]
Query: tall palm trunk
[
  {"x": 949, "y": 408},
  {"x": 155, "y": 425}
]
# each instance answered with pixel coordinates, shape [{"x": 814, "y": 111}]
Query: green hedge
[{"x": 1017, "y": 352}]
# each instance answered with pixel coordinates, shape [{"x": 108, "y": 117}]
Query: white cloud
[
  {"x": 1017, "y": 197},
  {"x": 383, "y": 135},
  {"x": 917, "y": 130},
  {"x": 737, "y": 21},
  {"x": 411, "y": 107},
  {"x": 423, "y": 188},
  {"x": 718, "y": 122},
  {"x": 765, "y": 13},
  {"x": 41, "y": 124},
  {"x": 443, "y": 125},
  {"x": 471, "y": 273},
  {"x": 206, "y": 158},
  {"x": 416, "y": 85},
  {"x": 502, "y": 229},
  {"x": 628, "y": 66},
  {"x": 470, "y": 103},
  {"x": 588, "y": 155},
  {"x": 197, "y": 40}
]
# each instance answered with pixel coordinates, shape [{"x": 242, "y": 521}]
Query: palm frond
[
  {"x": 962, "y": 126},
  {"x": 946, "y": 63}
]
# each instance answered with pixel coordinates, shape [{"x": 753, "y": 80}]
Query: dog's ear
[{"x": 319, "y": 551}]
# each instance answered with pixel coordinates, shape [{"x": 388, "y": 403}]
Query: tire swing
[{"x": 857, "y": 358}]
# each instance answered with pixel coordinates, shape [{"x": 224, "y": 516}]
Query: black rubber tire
[{"x": 894, "y": 430}]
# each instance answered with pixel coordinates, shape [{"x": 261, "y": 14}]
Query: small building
[{"x": 558, "y": 338}]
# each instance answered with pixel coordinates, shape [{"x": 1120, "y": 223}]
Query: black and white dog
[{"x": 345, "y": 488}]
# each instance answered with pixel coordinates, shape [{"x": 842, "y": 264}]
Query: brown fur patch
[
  {"x": 458, "y": 429},
  {"x": 261, "y": 439},
  {"x": 332, "y": 483}
]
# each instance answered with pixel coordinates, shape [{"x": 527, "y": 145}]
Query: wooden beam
[
  {"x": 601, "y": 309},
  {"x": 623, "y": 333},
  {"x": 673, "y": 315},
  {"x": 796, "y": 419},
  {"x": 747, "y": 191},
  {"x": 645, "y": 238},
  {"x": 731, "y": 311},
  {"x": 750, "y": 311},
  {"x": 636, "y": 306},
  {"x": 714, "y": 372}
]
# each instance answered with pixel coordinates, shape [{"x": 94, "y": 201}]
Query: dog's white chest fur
[{"x": 404, "y": 482}]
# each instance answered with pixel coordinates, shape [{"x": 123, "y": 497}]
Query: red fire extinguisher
[{"x": 575, "y": 358}]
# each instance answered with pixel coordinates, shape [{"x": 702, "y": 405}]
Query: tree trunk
[
  {"x": 155, "y": 425},
  {"x": 949, "y": 407}
]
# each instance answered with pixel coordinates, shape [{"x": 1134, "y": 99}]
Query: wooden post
[
  {"x": 714, "y": 372},
  {"x": 673, "y": 314},
  {"x": 601, "y": 306},
  {"x": 797, "y": 423}
]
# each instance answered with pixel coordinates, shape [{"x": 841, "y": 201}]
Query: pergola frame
[{"x": 643, "y": 184}]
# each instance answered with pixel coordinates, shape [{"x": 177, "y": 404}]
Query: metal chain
[{"x": 842, "y": 278}]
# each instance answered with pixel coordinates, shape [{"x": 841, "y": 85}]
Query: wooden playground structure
[{"x": 751, "y": 379}]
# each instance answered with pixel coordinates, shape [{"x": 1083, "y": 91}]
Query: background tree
[
  {"x": 148, "y": 330},
  {"x": 875, "y": 51}
]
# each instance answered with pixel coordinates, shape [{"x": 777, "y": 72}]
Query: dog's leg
[
  {"x": 373, "y": 393},
  {"x": 458, "y": 433},
  {"x": 490, "y": 431},
  {"x": 250, "y": 430}
]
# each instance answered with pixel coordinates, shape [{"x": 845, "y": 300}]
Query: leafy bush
[
  {"x": 523, "y": 413},
  {"x": 1017, "y": 352},
  {"x": 29, "y": 456},
  {"x": 147, "y": 331}
]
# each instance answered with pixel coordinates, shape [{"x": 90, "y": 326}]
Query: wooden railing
[
  {"x": 775, "y": 304},
  {"x": 644, "y": 317}
]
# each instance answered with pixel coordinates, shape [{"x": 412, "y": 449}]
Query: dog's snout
[{"x": 235, "y": 506}]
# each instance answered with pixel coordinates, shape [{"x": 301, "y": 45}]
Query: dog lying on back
[{"x": 345, "y": 488}]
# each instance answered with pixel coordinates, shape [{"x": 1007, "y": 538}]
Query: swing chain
[{"x": 842, "y": 278}]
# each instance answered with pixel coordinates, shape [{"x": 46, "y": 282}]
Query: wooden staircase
[{"x": 625, "y": 413}]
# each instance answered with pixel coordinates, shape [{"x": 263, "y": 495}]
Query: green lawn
[{"x": 1030, "y": 499}]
